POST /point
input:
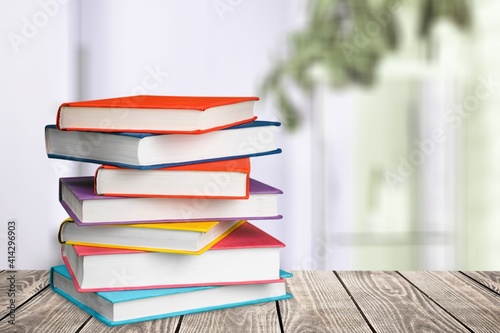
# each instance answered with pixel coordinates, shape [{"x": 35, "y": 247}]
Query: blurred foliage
[
  {"x": 346, "y": 39},
  {"x": 457, "y": 11}
]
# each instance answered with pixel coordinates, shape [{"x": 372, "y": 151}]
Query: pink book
[{"x": 247, "y": 255}]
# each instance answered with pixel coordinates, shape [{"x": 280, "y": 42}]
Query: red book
[
  {"x": 246, "y": 255},
  {"x": 222, "y": 179},
  {"x": 156, "y": 114}
]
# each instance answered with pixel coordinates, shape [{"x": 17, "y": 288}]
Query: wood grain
[
  {"x": 162, "y": 325},
  {"x": 47, "y": 312},
  {"x": 391, "y": 304},
  {"x": 253, "y": 318},
  {"x": 490, "y": 280},
  {"x": 27, "y": 284},
  {"x": 320, "y": 304},
  {"x": 477, "y": 308}
]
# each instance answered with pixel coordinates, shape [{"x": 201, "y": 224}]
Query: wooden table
[{"x": 324, "y": 301}]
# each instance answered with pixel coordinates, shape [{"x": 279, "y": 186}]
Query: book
[
  {"x": 153, "y": 151},
  {"x": 156, "y": 114},
  {"x": 246, "y": 255},
  {"x": 124, "y": 307},
  {"x": 173, "y": 237},
  {"x": 220, "y": 179},
  {"x": 77, "y": 196}
]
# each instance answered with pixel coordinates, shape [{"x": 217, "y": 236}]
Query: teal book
[
  {"x": 155, "y": 151},
  {"x": 123, "y": 307}
]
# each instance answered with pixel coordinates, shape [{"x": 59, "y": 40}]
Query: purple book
[{"x": 77, "y": 196}]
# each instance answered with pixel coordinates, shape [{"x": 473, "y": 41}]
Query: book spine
[{"x": 61, "y": 227}]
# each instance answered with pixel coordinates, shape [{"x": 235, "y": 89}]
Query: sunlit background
[{"x": 389, "y": 113}]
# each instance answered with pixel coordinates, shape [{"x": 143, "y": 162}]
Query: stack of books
[{"x": 162, "y": 227}]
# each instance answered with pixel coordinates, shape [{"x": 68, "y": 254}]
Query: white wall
[{"x": 35, "y": 67}]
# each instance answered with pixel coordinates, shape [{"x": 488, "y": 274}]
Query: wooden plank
[
  {"x": 46, "y": 312},
  {"x": 490, "y": 280},
  {"x": 320, "y": 304},
  {"x": 163, "y": 325},
  {"x": 27, "y": 284},
  {"x": 252, "y": 318},
  {"x": 477, "y": 308},
  {"x": 392, "y": 304}
]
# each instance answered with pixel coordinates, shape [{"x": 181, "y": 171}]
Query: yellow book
[{"x": 173, "y": 237}]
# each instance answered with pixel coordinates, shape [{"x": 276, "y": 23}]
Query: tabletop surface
[{"x": 323, "y": 301}]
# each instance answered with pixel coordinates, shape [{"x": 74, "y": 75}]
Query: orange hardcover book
[
  {"x": 228, "y": 179},
  {"x": 156, "y": 114}
]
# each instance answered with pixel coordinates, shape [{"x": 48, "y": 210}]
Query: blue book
[
  {"x": 124, "y": 307},
  {"x": 154, "y": 151}
]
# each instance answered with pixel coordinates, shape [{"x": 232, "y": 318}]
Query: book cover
[
  {"x": 216, "y": 299},
  {"x": 200, "y": 103},
  {"x": 82, "y": 188},
  {"x": 124, "y": 121},
  {"x": 237, "y": 165},
  {"x": 244, "y": 236}
]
